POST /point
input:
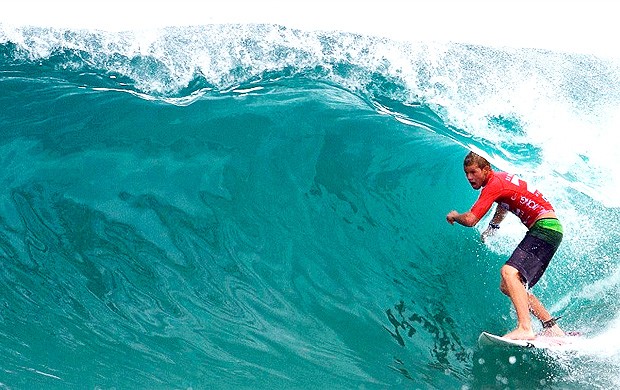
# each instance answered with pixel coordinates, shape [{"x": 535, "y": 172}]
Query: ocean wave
[{"x": 268, "y": 210}]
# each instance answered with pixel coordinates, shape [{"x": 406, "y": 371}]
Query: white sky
[{"x": 577, "y": 26}]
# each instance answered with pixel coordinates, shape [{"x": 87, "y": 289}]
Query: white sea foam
[
  {"x": 583, "y": 27},
  {"x": 566, "y": 108}
]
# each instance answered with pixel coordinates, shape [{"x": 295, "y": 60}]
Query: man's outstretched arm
[{"x": 466, "y": 219}]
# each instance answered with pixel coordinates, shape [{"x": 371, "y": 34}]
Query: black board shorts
[{"x": 534, "y": 253}]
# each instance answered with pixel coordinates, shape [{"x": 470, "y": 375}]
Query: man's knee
[
  {"x": 508, "y": 273},
  {"x": 503, "y": 288}
]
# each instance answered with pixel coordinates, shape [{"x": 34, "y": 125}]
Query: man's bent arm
[
  {"x": 500, "y": 214},
  {"x": 466, "y": 219}
]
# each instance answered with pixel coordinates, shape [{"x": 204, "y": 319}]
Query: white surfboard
[{"x": 489, "y": 339}]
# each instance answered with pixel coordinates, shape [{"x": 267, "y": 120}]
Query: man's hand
[
  {"x": 451, "y": 217},
  {"x": 487, "y": 233}
]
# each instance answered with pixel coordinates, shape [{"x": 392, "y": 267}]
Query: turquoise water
[{"x": 268, "y": 210}]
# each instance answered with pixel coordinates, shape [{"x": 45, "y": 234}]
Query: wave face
[{"x": 252, "y": 206}]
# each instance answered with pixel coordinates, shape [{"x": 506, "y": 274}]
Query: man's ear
[{"x": 486, "y": 171}]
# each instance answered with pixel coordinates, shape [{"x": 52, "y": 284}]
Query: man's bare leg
[
  {"x": 512, "y": 286},
  {"x": 543, "y": 315}
]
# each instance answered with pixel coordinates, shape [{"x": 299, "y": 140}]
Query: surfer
[{"x": 530, "y": 259}]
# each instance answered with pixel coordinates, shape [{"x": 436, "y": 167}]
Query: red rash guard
[{"x": 513, "y": 194}]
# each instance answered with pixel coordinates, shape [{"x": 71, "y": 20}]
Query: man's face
[{"x": 477, "y": 177}]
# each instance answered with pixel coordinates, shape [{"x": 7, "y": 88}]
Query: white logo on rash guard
[
  {"x": 525, "y": 202},
  {"x": 529, "y": 203}
]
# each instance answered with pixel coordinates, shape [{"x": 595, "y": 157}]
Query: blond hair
[{"x": 475, "y": 159}]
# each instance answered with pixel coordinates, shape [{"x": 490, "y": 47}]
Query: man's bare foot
[
  {"x": 554, "y": 331},
  {"x": 521, "y": 334}
]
